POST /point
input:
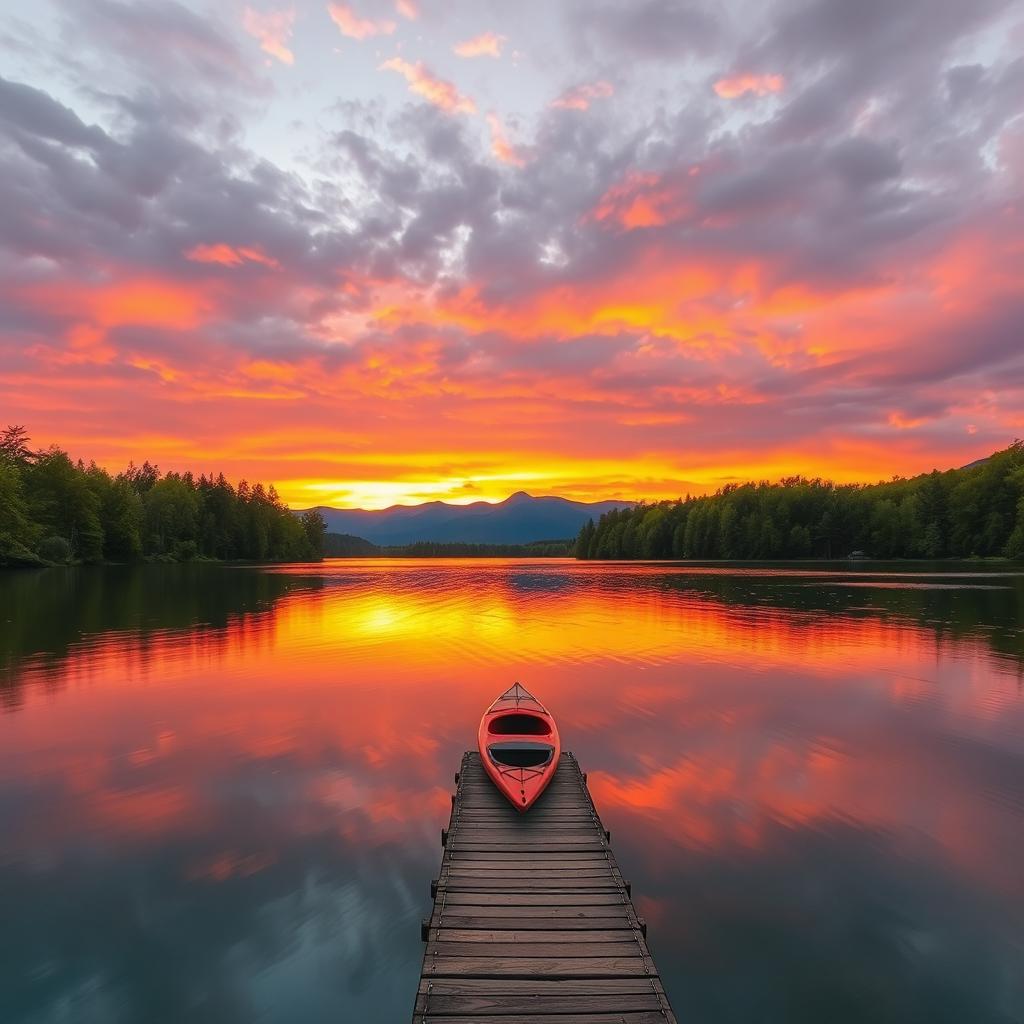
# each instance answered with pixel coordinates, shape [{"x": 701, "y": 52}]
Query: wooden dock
[{"x": 532, "y": 922}]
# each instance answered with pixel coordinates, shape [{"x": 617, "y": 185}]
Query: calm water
[{"x": 221, "y": 787}]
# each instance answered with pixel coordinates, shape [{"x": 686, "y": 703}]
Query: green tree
[
  {"x": 14, "y": 445},
  {"x": 315, "y": 529},
  {"x": 62, "y": 503},
  {"x": 122, "y": 514},
  {"x": 171, "y": 509},
  {"x": 585, "y": 540}
]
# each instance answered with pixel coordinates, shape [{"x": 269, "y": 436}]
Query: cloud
[
  {"x": 356, "y": 27},
  {"x": 33, "y": 111},
  {"x": 580, "y": 97},
  {"x": 228, "y": 256},
  {"x": 273, "y": 30},
  {"x": 433, "y": 89},
  {"x": 645, "y": 200},
  {"x": 734, "y": 86},
  {"x": 500, "y": 146},
  {"x": 656, "y": 29},
  {"x": 408, "y": 9},
  {"x": 161, "y": 41},
  {"x": 397, "y": 293},
  {"x": 487, "y": 44}
]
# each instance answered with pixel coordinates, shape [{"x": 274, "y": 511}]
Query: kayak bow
[{"x": 519, "y": 746}]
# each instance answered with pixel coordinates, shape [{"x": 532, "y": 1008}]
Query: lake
[{"x": 222, "y": 787}]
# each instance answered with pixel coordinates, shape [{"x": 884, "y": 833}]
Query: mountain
[{"x": 519, "y": 519}]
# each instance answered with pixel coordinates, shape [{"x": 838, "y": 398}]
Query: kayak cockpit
[
  {"x": 518, "y": 725},
  {"x": 521, "y": 754}
]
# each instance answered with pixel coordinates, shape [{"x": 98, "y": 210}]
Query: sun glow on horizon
[{"x": 356, "y": 479}]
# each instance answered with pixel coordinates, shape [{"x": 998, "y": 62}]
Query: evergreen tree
[
  {"x": 56, "y": 510},
  {"x": 315, "y": 529},
  {"x": 976, "y": 511}
]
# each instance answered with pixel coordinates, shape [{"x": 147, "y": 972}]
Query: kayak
[{"x": 519, "y": 746}]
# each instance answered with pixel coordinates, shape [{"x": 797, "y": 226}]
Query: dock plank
[{"x": 532, "y": 921}]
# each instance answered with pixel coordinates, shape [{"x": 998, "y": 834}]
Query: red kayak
[{"x": 519, "y": 746}]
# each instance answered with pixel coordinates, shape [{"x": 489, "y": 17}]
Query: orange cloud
[
  {"x": 228, "y": 256},
  {"x": 487, "y": 44},
  {"x": 355, "y": 27},
  {"x": 658, "y": 293},
  {"x": 500, "y": 146},
  {"x": 433, "y": 89},
  {"x": 901, "y": 422},
  {"x": 739, "y": 85},
  {"x": 153, "y": 303},
  {"x": 641, "y": 201},
  {"x": 581, "y": 96},
  {"x": 572, "y": 372},
  {"x": 272, "y": 30}
]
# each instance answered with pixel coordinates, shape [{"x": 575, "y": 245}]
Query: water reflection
[{"x": 221, "y": 786}]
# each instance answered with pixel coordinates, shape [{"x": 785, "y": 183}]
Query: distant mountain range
[{"x": 519, "y": 519}]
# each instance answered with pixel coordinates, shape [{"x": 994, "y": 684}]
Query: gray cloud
[
  {"x": 663, "y": 29},
  {"x": 162, "y": 41}
]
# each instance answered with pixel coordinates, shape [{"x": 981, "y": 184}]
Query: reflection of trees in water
[
  {"x": 995, "y": 616},
  {"x": 47, "y": 613},
  {"x": 951, "y": 609}
]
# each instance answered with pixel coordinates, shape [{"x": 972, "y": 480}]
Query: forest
[
  {"x": 973, "y": 512},
  {"x": 345, "y": 545},
  {"x": 56, "y": 510}
]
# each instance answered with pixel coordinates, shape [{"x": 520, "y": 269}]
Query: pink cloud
[
  {"x": 500, "y": 146},
  {"x": 433, "y": 89},
  {"x": 487, "y": 44},
  {"x": 408, "y": 9},
  {"x": 273, "y": 31},
  {"x": 355, "y": 27},
  {"x": 733, "y": 87},
  {"x": 228, "y": 256},
  {"x": 644, "y": 201},
  {"x": 581, "y": 96}
]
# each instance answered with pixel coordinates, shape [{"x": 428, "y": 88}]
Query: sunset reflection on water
[{"x": 223, "y": 785}]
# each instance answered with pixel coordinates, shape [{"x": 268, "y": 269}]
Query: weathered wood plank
[
  {"x": 551, "y": 910},
  {"x": 534, "y": 899},
  {"x": 514, "y": 882},
  {"x": 535, "y": 967},
  {"x": 512, "y": 869},
  {"x": 621, "y": 1002},
  {"x": 624, "y": 947},
  {"x": 524, "y": 922},
  {"x": 557, "y": 833},
  {"x": 595, "y": 937},
  {"x": 495, "y": 844},
  {"x": 537, "y": 986},
  {"x": 466, "y": 856},
  {"x": 557, "y": 885},
  {"x": 644, "y": 1017}
]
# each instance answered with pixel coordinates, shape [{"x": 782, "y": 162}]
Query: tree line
[
  {"x": 345, "y": 545},
  {"x": 56, "y": 510},
  {"x": 974, "y": 512}
]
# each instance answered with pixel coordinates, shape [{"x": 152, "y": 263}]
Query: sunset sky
[{"x": 383, "y": 252}]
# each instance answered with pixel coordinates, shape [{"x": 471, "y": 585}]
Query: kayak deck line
[{"x": 532, "y": 921}]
